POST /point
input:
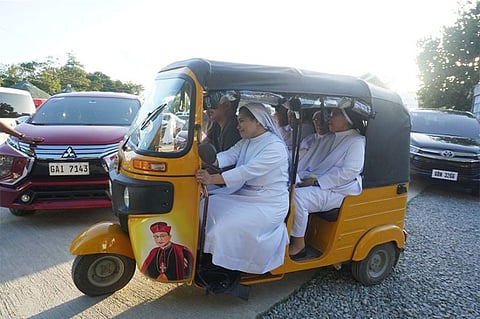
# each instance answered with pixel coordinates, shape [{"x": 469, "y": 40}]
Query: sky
[{"x": 130, "y": 40}]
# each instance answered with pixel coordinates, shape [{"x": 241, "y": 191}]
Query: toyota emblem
[{"x": 448, "y": 154}]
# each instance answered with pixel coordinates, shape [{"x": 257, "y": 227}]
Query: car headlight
[
  {"x": 6, "y": 163},
  {"x": 12, "y": 169}
]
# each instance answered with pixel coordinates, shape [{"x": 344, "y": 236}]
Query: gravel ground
[{"x": 436, "y": 277}]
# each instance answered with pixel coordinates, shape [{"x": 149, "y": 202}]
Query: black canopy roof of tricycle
[{"x": 388, "y": 131}]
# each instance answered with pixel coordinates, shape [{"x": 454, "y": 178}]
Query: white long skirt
[{"x": 247, "y": 232}]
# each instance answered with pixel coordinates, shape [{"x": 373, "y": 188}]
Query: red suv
[{"x": 82, "y": 131}]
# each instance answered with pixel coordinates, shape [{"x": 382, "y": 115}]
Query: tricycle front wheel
[
  {"x": 377, "y": 266},
  {"x": 101, "y": 274}
]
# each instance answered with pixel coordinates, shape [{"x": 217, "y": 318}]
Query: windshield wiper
[{"x": 152, "y": 115}]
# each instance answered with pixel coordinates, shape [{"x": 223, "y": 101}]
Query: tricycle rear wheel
[
  {"x": 101, "y": 274},
  {"x": 377, "y": 266}
]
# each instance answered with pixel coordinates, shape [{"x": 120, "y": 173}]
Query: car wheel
[
  {"x": 377, "y": 266},
  {"x": 101, "y": 274},
  {"x": 21, "y": 212}
]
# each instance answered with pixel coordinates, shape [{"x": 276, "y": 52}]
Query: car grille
[
  {"x": 55, "y": 152},
  {"x": 92, "y": 154},
  {"x": 465, "y": 164},
  {"x": 427, "y": 164}
]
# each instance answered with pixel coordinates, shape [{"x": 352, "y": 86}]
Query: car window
[
  {"x": 442, "y": 123},
  {"x": 14, "y": 105},
  {"x": 87, "y": 111}
]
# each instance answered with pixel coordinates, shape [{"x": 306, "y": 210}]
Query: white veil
[{"x": 264, "y": 118}]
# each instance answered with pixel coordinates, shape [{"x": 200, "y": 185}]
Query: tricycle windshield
[{"x": 162, "y": 123}]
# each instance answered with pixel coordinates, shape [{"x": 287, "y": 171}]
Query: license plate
[
  {"x": 448, "y": 175},
  {"x": 73, "y": 168}
]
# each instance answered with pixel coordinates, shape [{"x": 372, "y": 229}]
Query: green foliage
[
  {"x": 52, "y": 77},
  {"x": 450, "y": 66}
]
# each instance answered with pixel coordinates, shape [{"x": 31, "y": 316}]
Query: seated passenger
[
  {"x": 245, "y": 228},
  {"x": 223, "y": 132},
  {"x": 286, "y": 121},
  {"x": 307, "y": 126},
  {"x": 330, "y": 176},
  {"x": 310, "y": 144},
  {"x": 281, "y": 119}
]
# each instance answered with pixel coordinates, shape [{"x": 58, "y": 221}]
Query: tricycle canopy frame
[{"x": 388, "y": 131}]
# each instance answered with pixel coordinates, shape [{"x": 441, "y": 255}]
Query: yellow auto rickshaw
[{"x": 153, "y": 183}]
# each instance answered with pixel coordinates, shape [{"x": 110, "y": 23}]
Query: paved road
[{"x": 35, "y": 280}]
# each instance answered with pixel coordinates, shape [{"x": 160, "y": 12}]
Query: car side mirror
[{"x": 21, "y": 119}]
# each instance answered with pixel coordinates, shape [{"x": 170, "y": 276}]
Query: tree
[
  {"x": 131, "y": 87},
  {"x": 11, "y": 75},
  {"x": 48, "y": 80},
  {"x": 72, "y": 73},
  {"x": 450, "y": 66},
  {"x": 99, "y": 80},
  {"x": 52, "y": 77}
]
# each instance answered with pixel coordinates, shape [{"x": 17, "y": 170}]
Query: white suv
[{"x": 13, "y": 104}]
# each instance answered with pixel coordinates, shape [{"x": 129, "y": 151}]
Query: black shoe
[{"x": 301, "y": 254}]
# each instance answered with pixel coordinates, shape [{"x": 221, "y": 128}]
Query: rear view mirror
[{"x": 207, "y": 153}]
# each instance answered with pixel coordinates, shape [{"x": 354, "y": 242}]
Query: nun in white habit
[
  {"x": 328, "y": 175},
  {"x": 245, "y": 227}
]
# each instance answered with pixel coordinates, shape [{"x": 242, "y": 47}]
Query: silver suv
[{"x": 13, "y": 104}]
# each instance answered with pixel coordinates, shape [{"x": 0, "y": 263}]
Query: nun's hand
[
  {"x": 203, "y": 177},
  {"x": 309, "y": 181}
]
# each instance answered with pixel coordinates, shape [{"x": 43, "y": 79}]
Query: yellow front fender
[
  {"x": 377, "y": 236},
  {"x": 104, "y": 237}
]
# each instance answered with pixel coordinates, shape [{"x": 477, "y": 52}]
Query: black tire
[
  {"x": 377, "y": 266},
  {"x": 21, "y": 212},
  {"x": 102, "y": 274}
]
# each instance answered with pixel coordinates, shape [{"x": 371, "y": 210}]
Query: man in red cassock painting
[{"x": 169, "y": 261}]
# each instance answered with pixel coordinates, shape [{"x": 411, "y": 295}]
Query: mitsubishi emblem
[
  {"x": 447, "y": 154},
  {"x": 69, "y": 153}
]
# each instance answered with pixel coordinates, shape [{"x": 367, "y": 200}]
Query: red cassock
[{"x": 171, "y": 263}]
